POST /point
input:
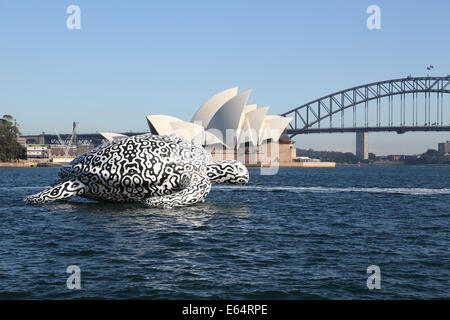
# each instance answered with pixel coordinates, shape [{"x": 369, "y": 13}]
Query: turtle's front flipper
[
  {"x": 63, "y": 190},
  {"x": 196, "y": 190}
]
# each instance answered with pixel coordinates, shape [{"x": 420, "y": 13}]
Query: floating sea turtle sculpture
[{"x": 160, "y": 171}]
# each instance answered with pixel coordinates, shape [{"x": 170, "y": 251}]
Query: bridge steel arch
[{"x": 309, "y": 117}]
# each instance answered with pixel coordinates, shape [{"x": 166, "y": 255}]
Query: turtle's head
[{"x": 227, "y": 171}]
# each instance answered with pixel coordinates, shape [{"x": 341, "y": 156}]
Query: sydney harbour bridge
[{"x": 397, "y": 105}]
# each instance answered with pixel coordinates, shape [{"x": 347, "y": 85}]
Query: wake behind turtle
[{"x": 160, "y": 171}]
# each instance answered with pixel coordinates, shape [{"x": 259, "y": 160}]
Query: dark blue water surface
[{"x": 305, "y": 233}]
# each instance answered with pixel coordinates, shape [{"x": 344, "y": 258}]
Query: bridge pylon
[{"x": 362, "y": 145}]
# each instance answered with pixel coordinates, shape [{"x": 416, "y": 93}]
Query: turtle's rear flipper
[
  {"x": 197, "y": 189},
  {"x": 63, "y": 190}
]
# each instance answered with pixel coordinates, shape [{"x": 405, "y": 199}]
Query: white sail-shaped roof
[
  {"x": 110, "y": 136},
  {"x": 253, "y": 125},
  {"x": 247, "y": 133},
  {"x": 211, "y": 139},
  {"x": 226, "y": 113},
  {"x": 273, "y": 127},
  {"x": 193, "y": 132},
  {"x": 161, "y": 124},
  {"x": 229, "y": 117},
  {"x": 249, "y": 107},
  {"x": 242, "y": 122},
  {"x": 207, "y": 111},
  {"x": 167, "y": 125}
]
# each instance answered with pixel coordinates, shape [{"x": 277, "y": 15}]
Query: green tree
[{"x": 9, "y": 147}]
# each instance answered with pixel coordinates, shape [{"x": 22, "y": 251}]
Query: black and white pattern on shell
[{"x": 160, "y": 171}]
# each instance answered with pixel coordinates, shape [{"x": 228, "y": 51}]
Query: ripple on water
[{"x": 301, "y": 234}]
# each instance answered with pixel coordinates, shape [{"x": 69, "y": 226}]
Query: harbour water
[{"x": 305, "y": 233}]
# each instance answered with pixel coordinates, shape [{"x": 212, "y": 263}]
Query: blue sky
[{"x": 133, "y": 58}]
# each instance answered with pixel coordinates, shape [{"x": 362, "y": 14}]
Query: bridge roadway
[{"x": 398, "y": 129}]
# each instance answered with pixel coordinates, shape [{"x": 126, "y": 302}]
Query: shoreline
[
  {"x": 281, "y": 165},
  {"x": 28, "y": 164}
]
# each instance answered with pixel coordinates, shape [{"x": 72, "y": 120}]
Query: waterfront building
[
  {"x": 37, "y": 152},
  {"x": 55, "y": 152},
  {"x": 444, "y": 147},
  {"x": 396, "y": 157}
]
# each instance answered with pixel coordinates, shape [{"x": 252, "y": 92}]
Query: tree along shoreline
[
  {"x": 10, "y": 149},
  {"x": 430, "y": 157}
]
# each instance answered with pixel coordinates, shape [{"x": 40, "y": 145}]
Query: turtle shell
[{"x": 138, "y": 162}]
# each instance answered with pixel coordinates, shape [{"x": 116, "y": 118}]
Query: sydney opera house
[{"x": 229, "y": 128}]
